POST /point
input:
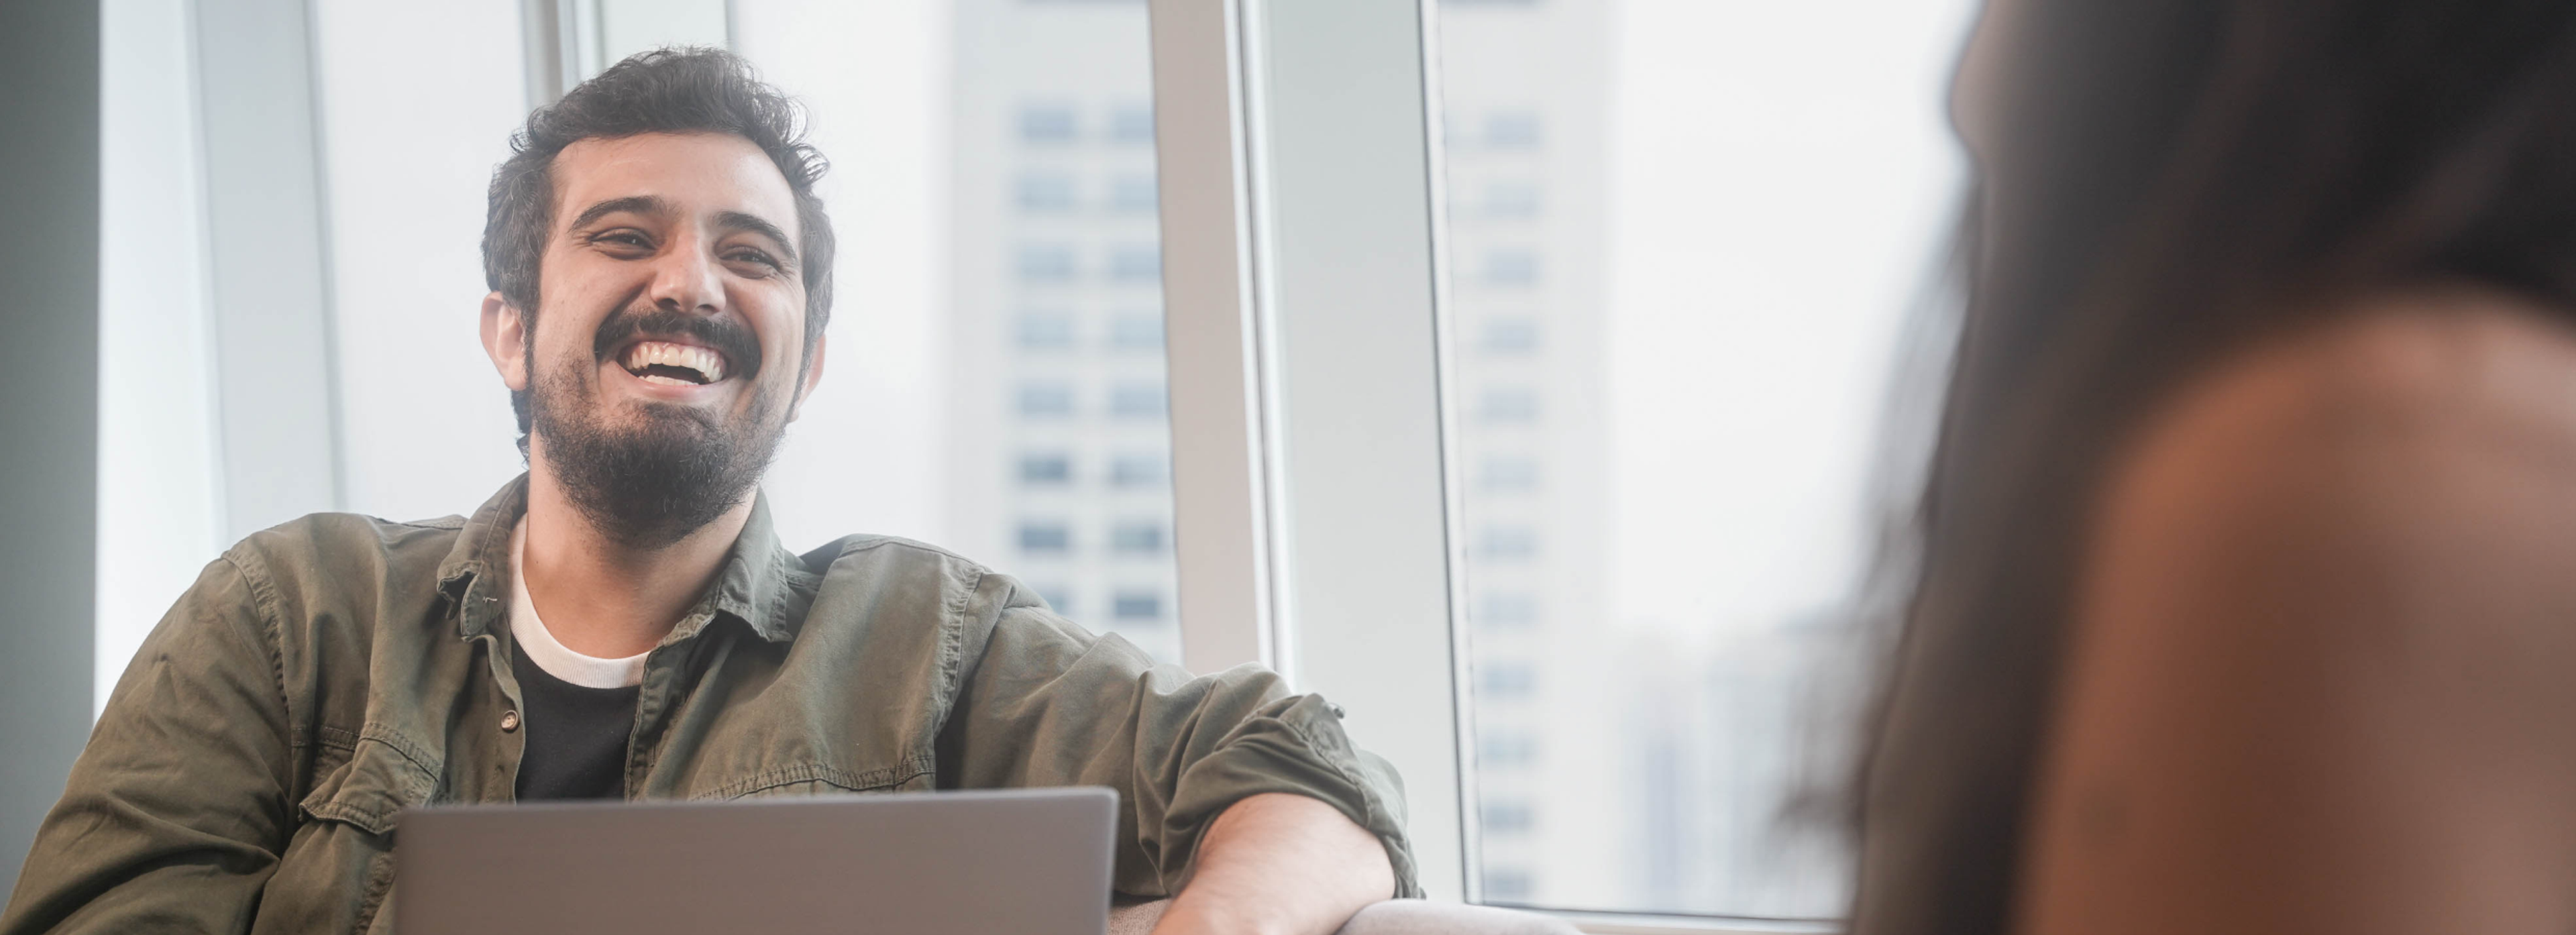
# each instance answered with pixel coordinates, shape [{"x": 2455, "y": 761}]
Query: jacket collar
[{"x": 762, "y": 585}]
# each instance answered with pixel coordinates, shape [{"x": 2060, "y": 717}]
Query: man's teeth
[{"x": 644, "y": 354}]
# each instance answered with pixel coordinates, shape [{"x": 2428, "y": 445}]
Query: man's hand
[{"x": 1280, "y": 864}]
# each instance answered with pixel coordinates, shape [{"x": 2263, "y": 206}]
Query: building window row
[
  {"x": 1508, "y": 334},
  {"x": 1126, "y": 605},
  {"x": 1504, "y": 611},
  {"x": 1508, "y": 817},
  {"x": 1507, "y": 405},
  {"x": 1057, "y": 123},
  {"x": 1058, "y": 193},
  {"x": 1055, "y": 538},
  {"x": 1507, "y": 474},
  {"x": 1506, "y": 749},
  {"x": 1058, "y": 330},
  {"x": 1509, "y": 129},
  {"x": 1506, "y": 543},
  {"x": 1508, "y": 201},
  {"x": 1511, "y": 268},
  {"x": 1054, "y": 399},
  {"x": 1507, "y": 884},
  {"x": 1052, "y": 263},
  {"x": 1506, "y": 681},
  {"x": 1057, "y": 469}
]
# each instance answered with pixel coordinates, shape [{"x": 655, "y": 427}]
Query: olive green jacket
[{"x": 326, "y": 674}]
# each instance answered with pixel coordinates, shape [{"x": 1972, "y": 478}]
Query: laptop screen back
[{"x": 1033, "y": 861}]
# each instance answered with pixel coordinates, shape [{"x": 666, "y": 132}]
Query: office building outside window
[
  {"x": 1683, "y": 238},
  {"x": 1059, "y": 437}
]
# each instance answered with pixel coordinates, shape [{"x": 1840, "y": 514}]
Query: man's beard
[{"x": 672, "y": 469}]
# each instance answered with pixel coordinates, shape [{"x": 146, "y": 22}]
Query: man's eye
[
  {"x": 753, "y": 256},
  {"x": 621, "y": 238}
]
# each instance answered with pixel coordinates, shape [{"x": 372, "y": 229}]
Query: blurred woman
[{"x": 2247, "y": 599}]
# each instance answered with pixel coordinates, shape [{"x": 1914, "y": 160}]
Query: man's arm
[
  {"x": 176, "y": 811},
  {"x": 1043, "y": 703},
  {"x": 1280, "y": 864}
]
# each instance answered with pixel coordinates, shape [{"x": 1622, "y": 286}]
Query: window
[
  {"x": 1132, "y": 124},
  {"x": 1136, "y": 400},
  {"x": 1071, "y": 84},
  {"x": 1138, "y": 605},
  {"x": 1508, "y": 818},
  {"x": 1053, "y": 468},
  {"x": 1510, "y": 334},
  {"x": 1046, "y": 124},
  {"x": 1012, "y": 222},
  {"x": 1136, "y": 263},
  {"x": 1511, "y": 200},
  {"x": 1133, "y": 193},
  {"x": 1511, "y": 267},
  {"x": 1137, "y": 331},
  {"x": 1139, "y": 470},
  {"x": 1508, "y": 405},
  {"x": 1044, "y": 193},
  {"x": 1138, "y": 538},
  {"x": 1506, "y": 681},
  {"x": 1723, "y": 272},
  {"x": 1506, "y": 544},
  {"x": 1505, "y": 884},
  {"x": 1503, "y": 611},
  {"x": 1504, "y": 473},
  {"x": 1046, "y": 400},
  {"x": 1046, "y": 537},
  {"x": 1046, "y": 330},
  {"x": 1506, "y": 749},
  {"x": 1045, "y": 263},
  {"x": 1512, "y": 129}
]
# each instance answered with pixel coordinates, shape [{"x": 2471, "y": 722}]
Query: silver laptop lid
[{"x": 1025, "y": 861}]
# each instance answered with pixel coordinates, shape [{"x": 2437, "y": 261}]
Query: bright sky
[{"x": 1780, "y": 176}]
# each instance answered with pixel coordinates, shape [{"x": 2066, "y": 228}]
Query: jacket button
[{"x": 509, "y": 721}]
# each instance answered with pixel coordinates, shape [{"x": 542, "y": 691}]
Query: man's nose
[{"x": 685, "y": 278}]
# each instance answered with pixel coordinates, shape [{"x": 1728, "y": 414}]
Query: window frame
[{"x": 1314, "y": 414}]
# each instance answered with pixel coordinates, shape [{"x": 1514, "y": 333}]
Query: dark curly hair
[{"x": 669, "y": 90}]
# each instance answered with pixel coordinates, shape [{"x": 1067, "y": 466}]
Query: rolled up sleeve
[{"x": 1044, "y": 703}]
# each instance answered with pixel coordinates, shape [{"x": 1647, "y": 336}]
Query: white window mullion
[{"x": 1220, "y": 480}]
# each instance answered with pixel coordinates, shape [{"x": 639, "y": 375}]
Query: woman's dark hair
[
  {"x": 2169, "y": 182},
  {"x": 672, "y": 90}
]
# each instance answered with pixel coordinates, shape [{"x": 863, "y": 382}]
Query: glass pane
[
  {"x": 1058, "y": 437},
  {"x": 998, "y": 341},
  {"x": 1683, "y": 239}
]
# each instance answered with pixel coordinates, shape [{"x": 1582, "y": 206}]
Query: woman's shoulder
[
  {"x": 2320, "y": 646},
  {"x": 2424, "y": 441},
  {"x": 2436, "y": 366}
]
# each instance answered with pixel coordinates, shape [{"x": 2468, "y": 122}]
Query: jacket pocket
[{"x": 338, "y": 868}]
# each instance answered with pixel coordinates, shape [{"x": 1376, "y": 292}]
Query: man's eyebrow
[
  {"x": 639, "y": 204},
  {"x": 737, "y": 220}
]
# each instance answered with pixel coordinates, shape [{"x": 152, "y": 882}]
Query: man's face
[{"x": 668, "y": 350}]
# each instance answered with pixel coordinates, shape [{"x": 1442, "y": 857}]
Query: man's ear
[
  {"x": 505, "y": 338},
  {"x": 813, "y": 375}
]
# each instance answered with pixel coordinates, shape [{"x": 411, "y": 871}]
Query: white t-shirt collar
[{"x": 552, "y": 656}]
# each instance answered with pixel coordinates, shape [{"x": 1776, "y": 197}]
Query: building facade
[{"x": 1059, "y": 441}]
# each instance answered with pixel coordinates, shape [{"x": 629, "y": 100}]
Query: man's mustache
[{"x": 727, "y": 336}]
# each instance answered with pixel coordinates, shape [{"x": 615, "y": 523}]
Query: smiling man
[{"x": 622, "y": 622}]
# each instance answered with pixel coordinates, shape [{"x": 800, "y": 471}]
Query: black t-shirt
[{"x": 576, "y": 746}]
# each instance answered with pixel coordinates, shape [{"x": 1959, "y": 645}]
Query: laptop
[{"x": 1023, "y": 861}]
